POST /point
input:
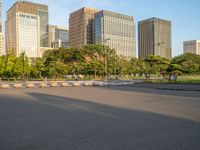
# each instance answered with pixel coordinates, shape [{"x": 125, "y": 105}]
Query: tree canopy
[{"x": 90, "y": 60}]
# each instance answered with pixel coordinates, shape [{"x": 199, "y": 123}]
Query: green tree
[
  {"x": 156, "y": 65},
  {"x": 38, "y": 69},
  {"x": 190, "y": 63}
]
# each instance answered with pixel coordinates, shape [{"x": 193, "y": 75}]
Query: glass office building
[
  {"x": 117, "y": 31},
  {"x": 27, "y": 29},
  {"x": 42, "y": 12},
  {"x": 81, "y": 27},
  {"x": 154, "y": 38},
  {"x": 58, "y": 36},
  {"x": 28, "y": 34},
  {"x": 1, "y": 34}
]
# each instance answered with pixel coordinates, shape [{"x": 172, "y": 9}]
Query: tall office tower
[
  {"x": 1, "y": 34},
  {"x": 154, "y": 38},
  {"x": 27, "y": 28},
  {"x": 58, "y": 36},
  {"x": 117, "y": 31},
  {"x": 81, "y": 27},
  {"x": 192, "y": 47}
]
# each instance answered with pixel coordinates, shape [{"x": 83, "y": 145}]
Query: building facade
[
  {"x": 154, "y": 38},
  {"x": 27, "y": 29},
  {"x": 192, "y": 47},
  {"x": 117, "y": 31},
  {"x": 1, "y": 33},
  {"x": 81, "y": 27},
  {"x": 58, "y": 37}
]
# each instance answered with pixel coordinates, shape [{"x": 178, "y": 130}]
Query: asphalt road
[{"x": 82, "y": 118}]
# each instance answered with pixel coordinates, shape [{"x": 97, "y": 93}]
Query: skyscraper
[
  {"x": 81, "y": 27},
  {"x": 192, "y": 47},
  {"x": 27, "y": 28},
  {"x": 1, "y": 34},
  {"x": 154, "y": 38},
  {"x": 58, "y": 36},
  {"x": 117, "y": 31}
]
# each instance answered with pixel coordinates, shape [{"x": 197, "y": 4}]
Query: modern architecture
[
  {"x": 154, "y": 38},
  {"x": 192, "y": 47},
  {"x": 27, "y": 29},
  {"x": 117, "y": 31},
  {"x": 1, "y": 33},
  {"x": 58, "y": 37},
  {"x": 81, "y": 27}
]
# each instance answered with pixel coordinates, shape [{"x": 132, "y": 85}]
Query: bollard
[
  {"x": 76, "y": 84},
  {"x": 4, "y": 86},
  {"x": 65, "y": 84},
  {"x": 43, "y": 85},
  {"x": 18, "y": 85},
  {"x": 30, "y": 85},
  {"x": 54, "y": 84}
]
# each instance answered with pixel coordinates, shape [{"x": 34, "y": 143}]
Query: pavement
[
  {"x": 167, "y": 86},
  {"x": 99, "y": 118}
]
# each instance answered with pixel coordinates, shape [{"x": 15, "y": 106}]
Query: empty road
[{"x": 99, "y": 118}]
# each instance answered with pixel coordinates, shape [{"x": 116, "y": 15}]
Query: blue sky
[{"x": 184, "y": 14}]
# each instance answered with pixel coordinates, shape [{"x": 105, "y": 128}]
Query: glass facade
[
  {"x": 81, "y": 27},
  {"x": 58, "y": 36},
  {"x": 22, "y": 30},
  {"x": 42, "y": 12},
  {"x": 28, "y": 34},
  {"x": 154, "y": 38},
  {"x": 119, "y": 29},
  {"x": 62, "y": 35},
  {"x": 1, "y": 34}
]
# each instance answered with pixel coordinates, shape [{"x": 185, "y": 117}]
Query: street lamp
[
  {"x": 23, "y": 62},
  {"x": 106, "y": 61}
]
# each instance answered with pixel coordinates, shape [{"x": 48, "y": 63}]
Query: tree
[
  {"x": 157, "y": 65},
  {"x": 190, "y": 63},
  {"x": 9, "y": 65},
  {"x": 174, "y": 69},
  {"x": 38, "y": 69}
]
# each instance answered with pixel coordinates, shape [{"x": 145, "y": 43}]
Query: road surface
[{"x": 99, "y": 118}]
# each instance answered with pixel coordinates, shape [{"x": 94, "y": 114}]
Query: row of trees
[{"x": 90, "y": 60}]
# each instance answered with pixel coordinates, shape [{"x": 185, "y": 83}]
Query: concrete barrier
[
  {"x": 30, "y": 85},
  {"x": 88, "y": 83},
  {"x": 95, "y": 84},
  {"x": 76, "y": 84},
  {"x": 18, "y": 85},
  {"x": 43, "y": 85},
  {"x": 4, "y": 86},
  {"x": 103, "y": 83},
  {"x": 65, "y": 84},
  {"x": 54, "y": 84}
]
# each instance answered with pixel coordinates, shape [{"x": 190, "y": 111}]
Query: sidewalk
[{"x": 167, "y": 86}]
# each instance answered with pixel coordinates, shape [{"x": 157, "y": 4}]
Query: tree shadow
[{"x": 45, "y": 122}]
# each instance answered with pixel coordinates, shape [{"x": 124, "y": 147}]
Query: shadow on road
[{"x": 46, "y": 122}]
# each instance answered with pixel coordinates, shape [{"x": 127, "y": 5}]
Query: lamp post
[
  {"x": 23, "y": 62},
  {"x": 106, "y": 59}
]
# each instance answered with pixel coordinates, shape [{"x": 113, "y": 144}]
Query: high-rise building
[
  {"x": 81, "y": 27},
  {"x": 58, "y": 36},
  {"x": 154, "y": 38},
  {"x": 192, "y": 47},
  {"x": 1, "y": 34},
  {"x": 117, "y": 31},
  {"x": 27, "y": 28}
]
